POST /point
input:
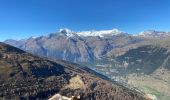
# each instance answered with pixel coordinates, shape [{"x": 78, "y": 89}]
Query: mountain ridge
[
  {"x": 25, "y": 76},
  {"x": 68, "y": 45}
]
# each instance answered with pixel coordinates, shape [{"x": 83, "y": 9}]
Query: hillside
[
  {"x": 25, "y": 76},
  {"x": 146, "y": 67}
]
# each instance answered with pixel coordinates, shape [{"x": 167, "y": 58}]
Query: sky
[{"x": 24, "y": 18}]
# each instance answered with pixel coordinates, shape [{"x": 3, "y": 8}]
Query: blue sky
[{"x": 25, "y": 18}]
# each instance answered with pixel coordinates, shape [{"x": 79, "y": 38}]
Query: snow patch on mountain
[
  {"x": 66, "y": 32},
  {"x": 153, "y": 33},
  {"x": 101, "y": 33}
]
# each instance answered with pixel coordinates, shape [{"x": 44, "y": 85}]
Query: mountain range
[
  {"x": 78, "y": 46},
  {"x": 120, "y": 56}
]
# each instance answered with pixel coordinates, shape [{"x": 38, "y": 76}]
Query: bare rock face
[
  {"x": 25, "y": 76},
  {"x": 59, "y": 46},
  {"x": 87, "y": 46},
  {"x": 72, "y": 46}
]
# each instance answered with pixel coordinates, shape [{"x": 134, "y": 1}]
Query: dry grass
[{"x": 76, "y": 83}]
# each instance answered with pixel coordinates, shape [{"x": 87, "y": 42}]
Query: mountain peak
[
  {"x": 100, "y": 33},
  {"x": 154, "y": 33},
  {"x": 66, "y": 32}
]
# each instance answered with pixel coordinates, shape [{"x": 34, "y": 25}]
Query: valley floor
[{"x": 156, "y": 84}]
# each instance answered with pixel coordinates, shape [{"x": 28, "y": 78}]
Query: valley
[
  {"x": 26, "y": 76},
  {"x": 139, "y": 62},
  {"x": 144, "y": 68}
]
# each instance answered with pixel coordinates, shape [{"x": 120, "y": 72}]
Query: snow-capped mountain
[
  {"x": 100, "y": 33},
  {"x": 153, "y": 33},
  {"x": 66, "y": 32},
  {"x": 84, "y": 45},
  {"x": 73, "y": 46}
]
